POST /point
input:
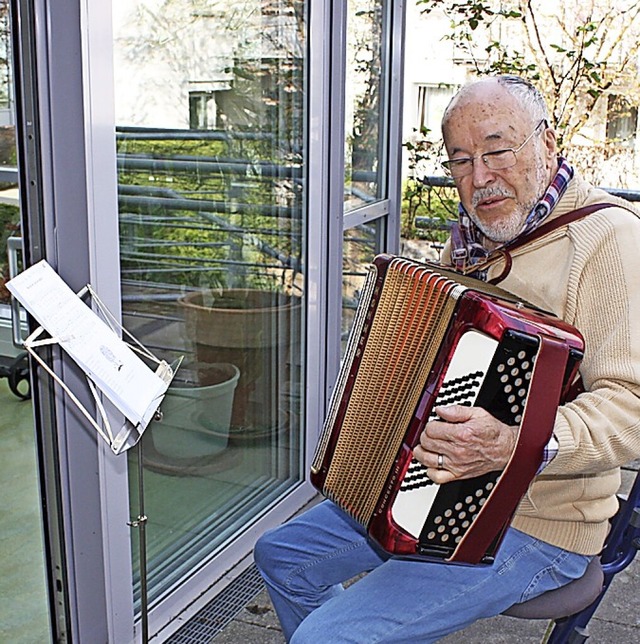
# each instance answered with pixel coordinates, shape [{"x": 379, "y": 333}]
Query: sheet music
[{"x": 106, "y": 359}]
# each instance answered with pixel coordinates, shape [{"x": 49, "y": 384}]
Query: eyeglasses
[{"x": 496, "y": 160}]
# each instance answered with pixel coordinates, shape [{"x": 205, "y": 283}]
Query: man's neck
[{"x": 490, "y": 245}]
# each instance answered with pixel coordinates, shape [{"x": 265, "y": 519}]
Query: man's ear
[{"x": 550, "y": 142}]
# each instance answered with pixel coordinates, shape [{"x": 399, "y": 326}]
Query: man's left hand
[{"x": 464, "y": 442}]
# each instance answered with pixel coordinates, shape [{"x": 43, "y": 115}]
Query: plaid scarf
[{"x": 466, "y": 238}]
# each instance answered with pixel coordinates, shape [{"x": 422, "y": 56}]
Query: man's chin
[
  {"x": 500, "y": 238},
  {"x": 500, "y": 232}
]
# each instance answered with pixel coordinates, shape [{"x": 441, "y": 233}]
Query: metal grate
[{"x": 211, "y": 619}]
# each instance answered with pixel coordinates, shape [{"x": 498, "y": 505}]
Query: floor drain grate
[{"x": 213, "y": 617}]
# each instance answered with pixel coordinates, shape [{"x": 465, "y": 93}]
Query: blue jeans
[{"x": 305, "y": 561}]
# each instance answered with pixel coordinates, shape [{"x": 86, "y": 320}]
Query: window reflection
[
  {"x": 361, "y": 245},
  {"x": 211, "y": 189},
  {"x": 364, "y": 102}
]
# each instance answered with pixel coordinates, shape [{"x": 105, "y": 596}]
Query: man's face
[{"x": 485, "y": 119}]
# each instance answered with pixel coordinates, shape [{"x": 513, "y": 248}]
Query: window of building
[
  {"x": 431, "y": 103},
  {"x": 622, "y": 120},
  {"x": 202, "y": 110}
]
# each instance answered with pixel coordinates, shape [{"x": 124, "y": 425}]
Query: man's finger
[{"x": 454, "y": 413}]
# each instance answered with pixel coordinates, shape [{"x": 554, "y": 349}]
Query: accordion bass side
[{"x": 422, "y": 337}]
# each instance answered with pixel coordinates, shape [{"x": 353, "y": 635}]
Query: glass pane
[
  {"x": 429, "y": 198},
  {"x": 361, "y": 245},
  {"x": 365, "y": 102},
  {"x": 24, "y": 604},
  {"x": 210, "y": 146}
]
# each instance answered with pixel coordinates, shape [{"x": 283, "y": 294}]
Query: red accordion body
[{"x": 423, "y": 337}]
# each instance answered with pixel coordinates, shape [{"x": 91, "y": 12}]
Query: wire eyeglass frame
[{"x": 494, "y": 160}]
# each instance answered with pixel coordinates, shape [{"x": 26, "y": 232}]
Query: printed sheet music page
[{"x": 105, "y": 358}]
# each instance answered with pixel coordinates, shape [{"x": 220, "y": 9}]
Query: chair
[
  {"x": 571, "y": 607},
  {"x": 16, "y": 370}
]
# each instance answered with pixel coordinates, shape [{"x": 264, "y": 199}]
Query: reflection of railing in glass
[
  {"x": 199, "y": 223},
  {"x": 220, "y": 224},
  {"x": 181, "y": 197}
]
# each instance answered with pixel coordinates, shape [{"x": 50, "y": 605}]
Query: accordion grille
[{"x": 414, "y": 309}]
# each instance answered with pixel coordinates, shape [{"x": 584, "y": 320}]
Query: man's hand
[{"x": 465, "y": 442}]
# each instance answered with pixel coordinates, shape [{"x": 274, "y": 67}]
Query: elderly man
[{"x": 502, "y": 155}]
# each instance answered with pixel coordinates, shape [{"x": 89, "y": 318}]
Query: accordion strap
[
  {"x": 564, "y": 220},
  {"x": 537, "y": 233}
]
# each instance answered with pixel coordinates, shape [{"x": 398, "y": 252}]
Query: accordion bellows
[{"x": 424, "y": 336}]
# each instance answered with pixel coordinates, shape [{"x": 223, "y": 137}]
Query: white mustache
[{"x": 486, "y": 193}]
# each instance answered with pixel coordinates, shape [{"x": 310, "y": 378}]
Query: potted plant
[
  {"x": 193, "y": 430},
  {"x": 252, "y": 329}
]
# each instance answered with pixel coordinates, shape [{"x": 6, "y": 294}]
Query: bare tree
[{"x": 582, "y": 55}]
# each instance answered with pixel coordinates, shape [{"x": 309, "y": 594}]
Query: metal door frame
[{"x": 58, "y": 138}]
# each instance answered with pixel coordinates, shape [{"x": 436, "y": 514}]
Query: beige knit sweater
[{"x": 588, "y": 274}]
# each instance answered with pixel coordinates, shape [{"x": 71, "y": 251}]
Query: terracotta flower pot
[{"x": 251, "y": 329}]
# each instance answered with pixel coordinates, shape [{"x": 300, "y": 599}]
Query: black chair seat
[{"x": 564, "y": 601}]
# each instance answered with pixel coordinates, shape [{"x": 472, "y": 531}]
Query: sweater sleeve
[{"x": 600, "y": 429}]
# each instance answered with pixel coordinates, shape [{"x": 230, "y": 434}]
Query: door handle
[{"x": 14, "y": 246}]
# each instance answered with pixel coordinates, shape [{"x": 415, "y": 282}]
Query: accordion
[{"x": 422, "y": 337}]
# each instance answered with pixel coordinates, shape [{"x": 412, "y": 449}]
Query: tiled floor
[
  {"x": 23, "y": 602},
  {"x": 616, "y": 621}
]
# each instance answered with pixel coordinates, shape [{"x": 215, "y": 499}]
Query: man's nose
[{"x": 481, "y": 173}]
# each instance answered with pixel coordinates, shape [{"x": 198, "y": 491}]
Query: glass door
[
  {"x": 24, "y": 605},
  {"x": 210, "y": 118},
  {"x": 374, "y": 29},
  {"x": 212, "y": 221}
]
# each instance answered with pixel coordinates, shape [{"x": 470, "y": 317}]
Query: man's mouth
[
  {"x": 484, "y": 203},
  {"x": 490, "y": 198}
]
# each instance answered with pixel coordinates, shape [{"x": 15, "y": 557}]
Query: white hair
[
  {"x": 529, "y": 96},
  {"x": 521, "y": 89}
]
